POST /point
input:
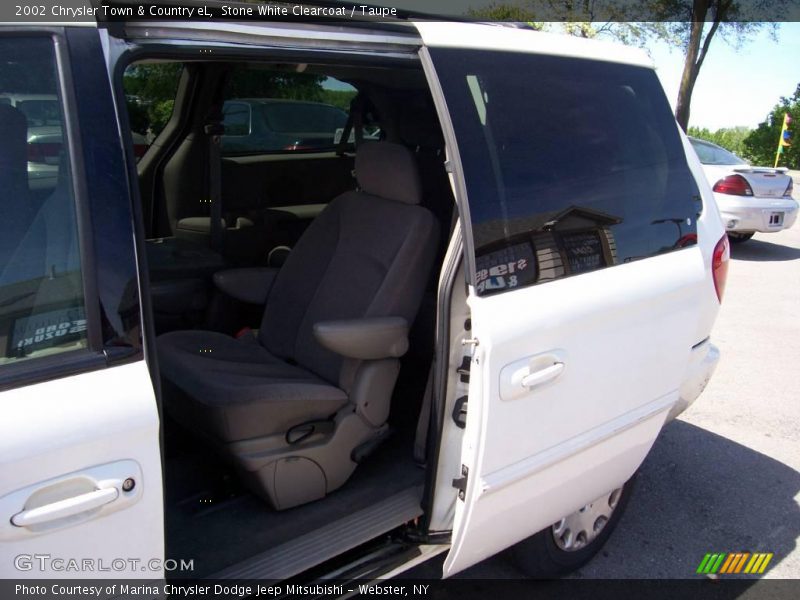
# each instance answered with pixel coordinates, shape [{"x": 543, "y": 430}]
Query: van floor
[{"x": 211, "y": 518}]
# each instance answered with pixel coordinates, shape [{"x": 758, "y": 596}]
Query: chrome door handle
[
  {"x": 542, "y": 375},
  {"x": 65, "y": 508}
]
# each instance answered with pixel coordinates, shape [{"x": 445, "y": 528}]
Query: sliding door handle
[
  {"x": 541, "y": 376},
  {"x": 65, "y": 508}
]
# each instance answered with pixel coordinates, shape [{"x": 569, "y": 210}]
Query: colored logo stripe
[
  {"x": 734, "y": 563},
  {"x": 758, "y": 563},
  {"x": 710, "y": 563}
]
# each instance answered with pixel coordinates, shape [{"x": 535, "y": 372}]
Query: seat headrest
[{"x": 389, "y": 171}]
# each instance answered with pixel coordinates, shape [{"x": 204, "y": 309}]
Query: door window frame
[{"x": 79, "y": 360}]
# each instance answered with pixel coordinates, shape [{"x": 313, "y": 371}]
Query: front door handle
[
  {"x": 65, "y": 508},
  {"x": 542, "y": 375}
]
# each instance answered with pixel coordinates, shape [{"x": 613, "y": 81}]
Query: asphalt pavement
[{"x": 725, "y": 475}]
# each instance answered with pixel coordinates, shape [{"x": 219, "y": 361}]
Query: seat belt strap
[
  {"x": 358, "y": 121},
  {"x": 354, "y": 124},
  {"x": 341, "y": 147},
  {"x": 213, "y": 130}
]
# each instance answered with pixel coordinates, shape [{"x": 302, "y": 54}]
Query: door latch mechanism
[
  {"x": 460, "y": 412},
  {"x": 461, "y": 483}
]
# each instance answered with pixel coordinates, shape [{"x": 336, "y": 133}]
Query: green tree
[
  {"x": 507, "y": 12},
  {"x": 340, "y": 98},
  {"x": 761, "y": 145},
  {"x": 579, "y": 18},
  {"x": 150, "y": 93}
]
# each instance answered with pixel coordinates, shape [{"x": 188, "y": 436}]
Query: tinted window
[
  {"x": 150, "y": 90},
  {"x": 570, "y": 165},
  {"x": 711, "y": 154},
  {"x": 41, "y": 299},
  {"x": 287, "y": 111},
  {"x": 236, "y": 118},
  {"x": 41, "y": 112},
  {"x": 302, "y": 117}
]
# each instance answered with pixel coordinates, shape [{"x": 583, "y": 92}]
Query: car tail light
[
  {"x": 789, "y": 189},
  {"x": 297, "y": 147},
  {"x": 719, "y": 265},
  {"x": 41, "y": 152},
  {"x": 733, "y": 184}
]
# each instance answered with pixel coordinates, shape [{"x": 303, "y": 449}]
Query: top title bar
[{"x": 73, "y": 11}]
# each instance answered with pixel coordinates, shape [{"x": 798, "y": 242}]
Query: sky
[{"x": 735, "y": 87}]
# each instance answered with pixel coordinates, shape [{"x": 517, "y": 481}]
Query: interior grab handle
[
  {"x": 542, "y": 375},
  {"x": 65, "y": 508}
]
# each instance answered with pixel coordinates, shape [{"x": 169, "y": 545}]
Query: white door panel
[
  {"x": 70, "y": 437},
  {"x": 513, "y": 500},
  {"x": 623, "y": 336}
]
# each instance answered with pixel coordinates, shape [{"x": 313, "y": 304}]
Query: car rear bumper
[
  {"x": 702, "y": 363},
  {"x": 765, "y": 215}
]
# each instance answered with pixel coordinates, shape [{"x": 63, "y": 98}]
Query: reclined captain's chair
[{"x": 297, "y": 406}]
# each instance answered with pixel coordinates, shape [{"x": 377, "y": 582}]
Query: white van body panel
[
  {"x": 488, "y": 37},
  {"x": 570, "y": 381},
  {"x": 100, "y": 427},
  {"x": 624, "y": 337}
]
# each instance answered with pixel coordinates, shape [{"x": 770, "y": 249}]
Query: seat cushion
[{"x": 234, "y": 389}]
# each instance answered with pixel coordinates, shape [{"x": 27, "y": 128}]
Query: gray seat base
[{"x": 251, "y": 399}]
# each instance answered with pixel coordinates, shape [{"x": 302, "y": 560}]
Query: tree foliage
[
  {"x": 150, "y": 93},
  {"x": 579, "y": 18},
  {"x": 762, "y": 143}
]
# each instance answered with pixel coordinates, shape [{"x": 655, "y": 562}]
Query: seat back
[{"x": 368, "y": 254}]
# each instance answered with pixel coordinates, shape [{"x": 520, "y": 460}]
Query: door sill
[{"x": 312, "y": 549}]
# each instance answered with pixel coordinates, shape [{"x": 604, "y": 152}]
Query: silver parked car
[{"x": 749, "y": 198}]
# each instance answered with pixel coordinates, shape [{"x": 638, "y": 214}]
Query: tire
[
  {"x": 542, "y": 556},
  {"x": 739, "y": 238}
]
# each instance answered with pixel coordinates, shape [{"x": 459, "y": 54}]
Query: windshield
[{"x": 711, "y": 154}]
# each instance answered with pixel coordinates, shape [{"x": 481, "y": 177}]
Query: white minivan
[{"x": 459, "y": 333}]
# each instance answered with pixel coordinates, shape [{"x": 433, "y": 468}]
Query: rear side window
[
  {"x": 570, "y": 165},
  {"x": 237, "y": 118},
  {"x": 42, "y": 309},
  {"x": 711, "y": 154},
  {"x": 276, "y": 111},
  {"x": 150, "y": 89},
  {"x": 302, "y": 117}
]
